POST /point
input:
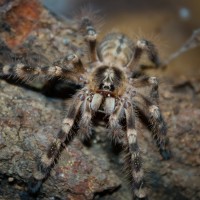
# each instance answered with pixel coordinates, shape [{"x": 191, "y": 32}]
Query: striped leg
[
  {"x": 146, "y": 81},
  {"x": 90, "y": 33},
  {"x": 145, "y": 46},
  {"x": 66, "y": 68},
  {"x": 154, "y": 94},
  {"x": 154, "y": 116},
  {"x": 159, "y": 131},
  {"x": 137, "y": 173},
  {"x": 158, "y": 126},
  {"x": 48, "y": 159}
]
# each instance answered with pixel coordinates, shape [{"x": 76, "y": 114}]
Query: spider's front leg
[
  {"x": 48, "y": 159},
  {"x": 66, "y": 68},
  {"x": 137, "y": 174}
]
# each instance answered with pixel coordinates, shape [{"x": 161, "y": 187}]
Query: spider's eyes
[{"x": 108, "y": 87}]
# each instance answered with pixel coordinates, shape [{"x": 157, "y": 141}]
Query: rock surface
[{"x": 29, "y": 122}]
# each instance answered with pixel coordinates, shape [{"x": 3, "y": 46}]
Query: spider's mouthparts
[{"x": 106, "y": 93}]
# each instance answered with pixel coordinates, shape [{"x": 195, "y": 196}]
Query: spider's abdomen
[{"x": 116, "y": 49}]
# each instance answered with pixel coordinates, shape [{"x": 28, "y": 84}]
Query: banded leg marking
[
  {"x": 137, "y": 173},
  {"x": 158, "y": 126},
  {"x": 91, "y": 36},
  {"x": 66, "y": 68},
  {"x": 159, "y": 131},
  {"x": 146, "y": 81},
  {"x": 48, "y": 159},
  {"x": 145, "y": 46}
]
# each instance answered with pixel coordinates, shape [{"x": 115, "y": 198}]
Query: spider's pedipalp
[
  {"x": 137, "y": 173},
  {"x": 115, "y": 117},
  {"x": 109, "y": 105},
  {"x": 85, "y": 121},
  {"x": 96, "y": 101},
  {"x": 114, "y": 123}
]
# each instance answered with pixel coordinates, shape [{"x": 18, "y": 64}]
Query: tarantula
[{"x": 108, "y": 86}]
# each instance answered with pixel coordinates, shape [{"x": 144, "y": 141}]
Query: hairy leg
[
  {"x": 148, "y": 47},
  {"x": 48, "y": 159},
  {"x": 85, "y": 121},
  {"x": 66, "y": 68},
  {"x": 148, "y": 105},
  {"x": 152, "y": 113},
  {"x": 88, "y": 29},
  {"x": 150, "y": 82},
  {"x": 139, "y": 185}
]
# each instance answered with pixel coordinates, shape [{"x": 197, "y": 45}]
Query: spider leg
[
  {"x": 146, "y": 81},
  {"x": 158, "y": 125},
  {"x": 87, "y": 26},
  {"x": 139, "y": 185},
  {"x": 148, "y": 47},
  {"x": 48, "y": 159},
  {"x": 67, "y": 68}
]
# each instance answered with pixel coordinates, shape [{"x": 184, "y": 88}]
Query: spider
[{"x": 108, "y": 85}]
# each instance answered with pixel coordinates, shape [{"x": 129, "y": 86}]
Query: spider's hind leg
[{"x": 142, "y": 46}]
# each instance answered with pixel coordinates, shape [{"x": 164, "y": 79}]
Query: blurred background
[{"x": 168, "y": 23}]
